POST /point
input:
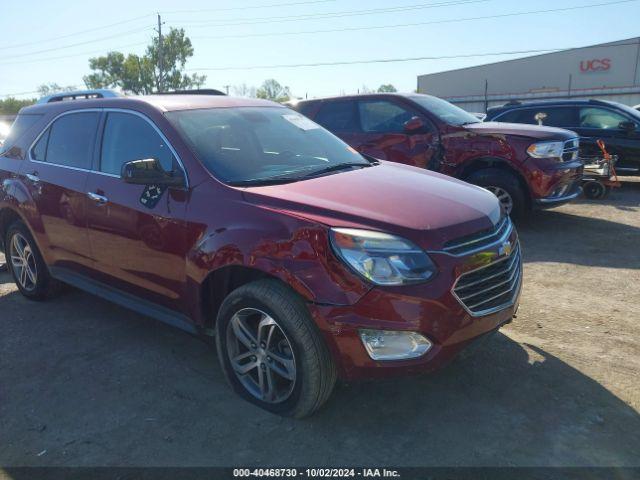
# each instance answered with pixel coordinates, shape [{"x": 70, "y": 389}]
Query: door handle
[
  {"x": 99, "y": 199},
  {"x": 33, "y": 177}
]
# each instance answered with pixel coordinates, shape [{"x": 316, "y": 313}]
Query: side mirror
[
  {"x": 627, "y": 126},
  {"x": 414, "y": 125},
  {"x": 149, "y": 172}
]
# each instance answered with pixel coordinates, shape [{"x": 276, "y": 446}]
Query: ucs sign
[{"x": 595, "y": 65}]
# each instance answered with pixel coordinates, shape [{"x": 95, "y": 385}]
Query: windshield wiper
[
  {"x": 335, "y": 168},
  {"x": 255, "y": 182},
  {"x": 289, "y": 178}
]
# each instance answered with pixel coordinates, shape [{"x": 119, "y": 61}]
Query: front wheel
[
  {"x": 505, "y": 186},
  {"x": 271, "y": 351}
]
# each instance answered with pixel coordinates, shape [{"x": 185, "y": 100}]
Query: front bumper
[
  {"x": 554, "y": 183},
  {"x": 574, "y": 190},
  {"x": 430, "y": 309}
]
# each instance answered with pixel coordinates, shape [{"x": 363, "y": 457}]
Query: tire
[
  {"x": 295, "y": 340},
  {"x": 499, "y": 182},
  {"x": 35, "y": 283},
  {"x": 595, "y": 190}
]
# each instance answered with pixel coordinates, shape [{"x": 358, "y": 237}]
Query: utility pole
[
  {"x": 486, "y": 95},
  {"x": 226, "y": 87},
  {"x": 160, "y": 57}
]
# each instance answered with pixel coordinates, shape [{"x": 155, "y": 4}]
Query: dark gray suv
[{"x": 617, "y": 124}]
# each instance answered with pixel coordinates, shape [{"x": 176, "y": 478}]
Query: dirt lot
[{"x": 83, "y": 382}]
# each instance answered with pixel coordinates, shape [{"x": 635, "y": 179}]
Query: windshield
[
  {"x": 445, "y": 111},
  {"x": 254, "y": 144},
  {"x": 629, "y": 110}
]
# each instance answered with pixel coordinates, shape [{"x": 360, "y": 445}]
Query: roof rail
[
  {"x": 512, "y": 102},
  {"x": 79, "y": 95},
  {"x": 598, "y": 101},
  {"x": 201, "y": 91}
]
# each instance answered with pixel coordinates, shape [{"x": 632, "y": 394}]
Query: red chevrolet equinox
[{"x": 244, "y": 220}]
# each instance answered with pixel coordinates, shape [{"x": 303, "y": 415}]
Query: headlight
[
  {"x": 546, "y": 150},
  {"x": 382, "y": 258}
]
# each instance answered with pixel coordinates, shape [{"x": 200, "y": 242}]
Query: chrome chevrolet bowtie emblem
[{"x": 505, "y": 249}]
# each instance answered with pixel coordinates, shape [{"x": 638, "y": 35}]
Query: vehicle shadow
[
  {"x": 84, "y": 382},
  {"x": 562, "y": 237},
  {"x": 510, "y": 404}
]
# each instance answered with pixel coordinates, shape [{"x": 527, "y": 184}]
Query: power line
[
  {"x": 278, "y": 19},
  {"x": 62, "y": 57},
  {"x": 137, "y": 44},
  {"x": 249, "y": 7},
  {"x": 53, "y": 39},
  {"x": 328, "y": 15},
  {"x": 130, "y": 20},
  {"x": 388, "y": 60},
  {"x": 415, "y": 24},
  {"x": 395, "y": 60},
  {"x": 53, "y": 49}
]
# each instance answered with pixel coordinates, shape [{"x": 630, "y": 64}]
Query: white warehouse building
[{"x": 608, "y": 71}]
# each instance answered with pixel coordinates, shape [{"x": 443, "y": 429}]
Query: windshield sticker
[{"x": 301, "y": 122}]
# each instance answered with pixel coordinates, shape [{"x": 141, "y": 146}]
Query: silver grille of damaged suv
[
  {"x": 461, "y": 247},
  {"x": 490, "y": 288}
]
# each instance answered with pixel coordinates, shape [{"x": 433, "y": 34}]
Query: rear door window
[
  {"x": 517, "y": 116},
  {"x": 548, "y": 116},
  {"x": 383, "y": 116},
  {"x": 129, "y": 137},
  {"x": 69, "y": 141},
  {"x": 39, "y": 150},
  {"x": 338, "y": 116}
]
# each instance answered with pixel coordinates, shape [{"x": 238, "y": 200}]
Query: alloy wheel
[
  {"x": 503, "y": 196},
  {"x": 23, "y": 262},
  {"x": 261, "y": 355}
]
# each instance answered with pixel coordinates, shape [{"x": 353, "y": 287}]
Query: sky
[{"x": 45, "y": 41}]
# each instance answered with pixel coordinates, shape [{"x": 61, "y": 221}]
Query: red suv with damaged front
[
  {"x": 244, "y": 220},
  {"x": 525, "y": 166}
]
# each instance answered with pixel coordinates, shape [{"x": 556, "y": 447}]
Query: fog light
[{"x": 392, "y": 345}]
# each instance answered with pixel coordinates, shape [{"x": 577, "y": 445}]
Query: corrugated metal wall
[{"x": 607, "y": 71}]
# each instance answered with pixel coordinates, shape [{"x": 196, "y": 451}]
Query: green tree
[
  {"x": 11, "y": 106},
  {"x": 388, "y": 88},
  {"x": 51, "y": 88},
  {"x": 140, "y": 74},
  {"x": 272, "y": 90},
  {"x": 243, "y": 90}
]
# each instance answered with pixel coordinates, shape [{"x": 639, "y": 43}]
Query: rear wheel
[
  {"x": 25, "y": 263},
  {"x": 505, "y": 186},
  {"x": 271, "y": 351}
]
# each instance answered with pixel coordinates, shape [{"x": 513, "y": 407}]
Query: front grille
[
  {"x": 481, "y": 240},
  {"x": 492, "y": 287},
  {"x": 571, "y": 150}
]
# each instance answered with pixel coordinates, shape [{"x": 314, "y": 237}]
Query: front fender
[{"x": 293, "y": 250}]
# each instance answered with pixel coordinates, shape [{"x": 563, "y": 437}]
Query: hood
[
  {"x": 521, "y": 130},
  {"x": 425, "y": 207}
]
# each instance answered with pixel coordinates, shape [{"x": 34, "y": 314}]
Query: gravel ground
[{"x": 84, "y": 382}]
